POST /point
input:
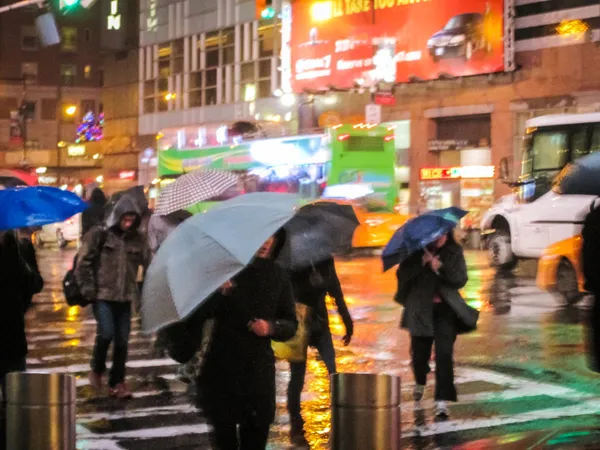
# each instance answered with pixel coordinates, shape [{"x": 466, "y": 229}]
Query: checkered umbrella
[{"x": 194, "y": 187}]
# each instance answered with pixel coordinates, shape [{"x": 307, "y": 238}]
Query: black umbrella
[
  {"x": 580, "y": 178},
  {"x": 317, "y": 232}
]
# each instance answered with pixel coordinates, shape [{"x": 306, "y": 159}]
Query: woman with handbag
[
  {"x": 311, "y": 286},
  {"x": 434, "y": 312}
]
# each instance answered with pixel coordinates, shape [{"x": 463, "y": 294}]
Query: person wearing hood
[
  {"x": 237, "y": 378},
  {"x": 94, "y": 215},
  {"x": 107, "y": 271}
]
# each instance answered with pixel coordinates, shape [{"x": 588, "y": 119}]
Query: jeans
[
  {"x": 325, "y": 348},
  {"x": 113, "y": 324},
  {"x": 444, "y": 325}
]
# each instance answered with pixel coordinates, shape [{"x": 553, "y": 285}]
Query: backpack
[{"x": 71, "y": 287}]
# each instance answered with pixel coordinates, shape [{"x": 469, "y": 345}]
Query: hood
[
  {"x": 97, "y": 197},
  {"x": 125, "y": 205}
]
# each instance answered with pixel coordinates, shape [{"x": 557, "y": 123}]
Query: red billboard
[{"x": 344, "y": 43}]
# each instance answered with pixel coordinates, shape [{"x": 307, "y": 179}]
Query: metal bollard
[
  {"x": 365, "y": 412},
  {"x": 40, "y": 411}
]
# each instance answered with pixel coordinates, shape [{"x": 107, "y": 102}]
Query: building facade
[
  {"x": 208, "y": 62},
  {"x": 216, "y": 61},
  {"x": 58, "y": 85}
]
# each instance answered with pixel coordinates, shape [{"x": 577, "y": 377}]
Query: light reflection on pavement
[{"x": 520, "y": 374}]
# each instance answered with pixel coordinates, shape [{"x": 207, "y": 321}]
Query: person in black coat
[
  {"x": 237, "y": 380},
  {"x": 434, "y": 312},
  {"x": 94, "y": 215},
  {"x": 311, "y": 286},
  {"x": 590, "y": 258},
  {"x": 18, "y": 282}
]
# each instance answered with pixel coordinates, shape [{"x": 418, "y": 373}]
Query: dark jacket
[
  {"x": 418, "y": 285},
  {"x": 94, "y": 215},
  {"x": 590, "y": 258},
  {"x": 118, "y": 261},
  {"x": 28, "y": 253},
  {"x": 17, "y": 282},
  {"x": 307, "y": 293},
  {"x": 239, "y": 368}
]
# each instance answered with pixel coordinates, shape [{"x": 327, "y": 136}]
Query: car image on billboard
[{"x": 349, "y": 43}]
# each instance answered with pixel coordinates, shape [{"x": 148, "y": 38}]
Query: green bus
[{"x": 345, "y": 156}]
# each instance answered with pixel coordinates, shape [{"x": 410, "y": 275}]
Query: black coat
[
  {"x": 418, "y": 285},
  {"x": 308, "y": 294},
  {"x": 17, "y": 284},
  {"x": 590, "y": 258},
  {"x": 94, "y": 215},
  {"x": 238, "y": 373}
]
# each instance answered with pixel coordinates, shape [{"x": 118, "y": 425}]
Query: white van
[{"x": 523, "y": 224}]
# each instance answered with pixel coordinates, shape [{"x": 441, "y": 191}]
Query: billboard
[{"x": 344, "y": 43}]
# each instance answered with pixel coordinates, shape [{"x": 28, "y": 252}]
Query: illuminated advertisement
[
  {"x": 456, "y": 173},
  {"x": 345, "y": 43}
]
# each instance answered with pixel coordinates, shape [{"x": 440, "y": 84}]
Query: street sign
[{"x": 373, "y": 113}]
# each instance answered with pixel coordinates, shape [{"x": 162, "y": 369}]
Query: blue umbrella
[
  {"x": 35, "y": 206},
  {"x": 419, "y": 232}
]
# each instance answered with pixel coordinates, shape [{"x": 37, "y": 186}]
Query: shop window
[
  {"x": 264, "y": 88},
  {"x": 228, "y": 46},
  {"x": 264, "y": 68},
  {"x": 29, "y": 72},
  {"x": 195, "y": 98},
  {"x": 149, "y": 105},
  {"x": 68, "y": 42},
  {"x": 48, "y": 109},
  {"x": 164, "y": 60},
  {"x": 68, "y": 72},
  {"x": 211, "y": 96},
  {"x": 29, "y": 38},
  {"x": 247, "y": 73}
]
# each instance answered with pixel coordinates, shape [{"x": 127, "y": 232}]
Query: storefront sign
[
  {"x": 347, "y": 43},
  {"x": 76, "y": 150},
  {"x": 113, "y": 22},
  {"x": 385, "y": 99},
  {"x": 47, "y": 179},
  {"x": 448, "y": 144},
  {"x": 373, "y": 113},
  {"x": 456, "y": 173},
  {"x": 127, "y": 175}
]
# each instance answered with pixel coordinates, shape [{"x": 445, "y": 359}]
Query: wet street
[{"x": 522, "y": 377}]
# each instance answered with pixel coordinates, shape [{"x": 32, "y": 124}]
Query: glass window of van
[
  {"x": 550, "y": 150},
  {"x": 595, "y": 144}
]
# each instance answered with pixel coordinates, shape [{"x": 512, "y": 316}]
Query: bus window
[{"x": 579, "y": 142}]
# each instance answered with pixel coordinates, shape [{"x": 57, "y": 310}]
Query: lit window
[{"x": 87, "y": 72}]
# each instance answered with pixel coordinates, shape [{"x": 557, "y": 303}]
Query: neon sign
[
  {"x": 114, "y": 18},
  {"x": 152, "y": 21},
  {"x": 456, "y": 173}
]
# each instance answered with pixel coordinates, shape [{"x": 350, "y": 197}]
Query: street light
[
  {"x": 322, "y": 11},
  {"x": 71, "y": 110},
  {"x": 170, "y": 96}
]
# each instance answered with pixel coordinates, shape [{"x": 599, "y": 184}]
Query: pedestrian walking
[
  {"x": 107, "y": 277},
  {"x": 311, "y": 287},
  {"x": 18, "y": 283},
  {"x": 590, "y": 253},
  {"x": 94, "y": 215},
  {"x": 237, "y": 380},
  {"x": 428, "y": 284}
]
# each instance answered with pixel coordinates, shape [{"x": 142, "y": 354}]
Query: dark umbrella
[
  {"x": 579, "y": 178},
  {"x": 318, "y": 231}
]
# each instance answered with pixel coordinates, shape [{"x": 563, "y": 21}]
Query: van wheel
[
  {"x": 500, "y": 252},
  {"x": 567, "y": 284}
]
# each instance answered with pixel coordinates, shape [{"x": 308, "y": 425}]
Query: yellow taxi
[
  {"x": 376, "y": 227},
  {"x": 560, "y": 271}
]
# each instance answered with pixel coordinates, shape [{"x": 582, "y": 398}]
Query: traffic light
[
  {"x": 268, "y": 13},
  {"x": 66, "y": 6}
]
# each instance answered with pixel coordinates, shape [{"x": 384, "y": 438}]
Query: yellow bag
[{"x": 295, "y": 349}]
